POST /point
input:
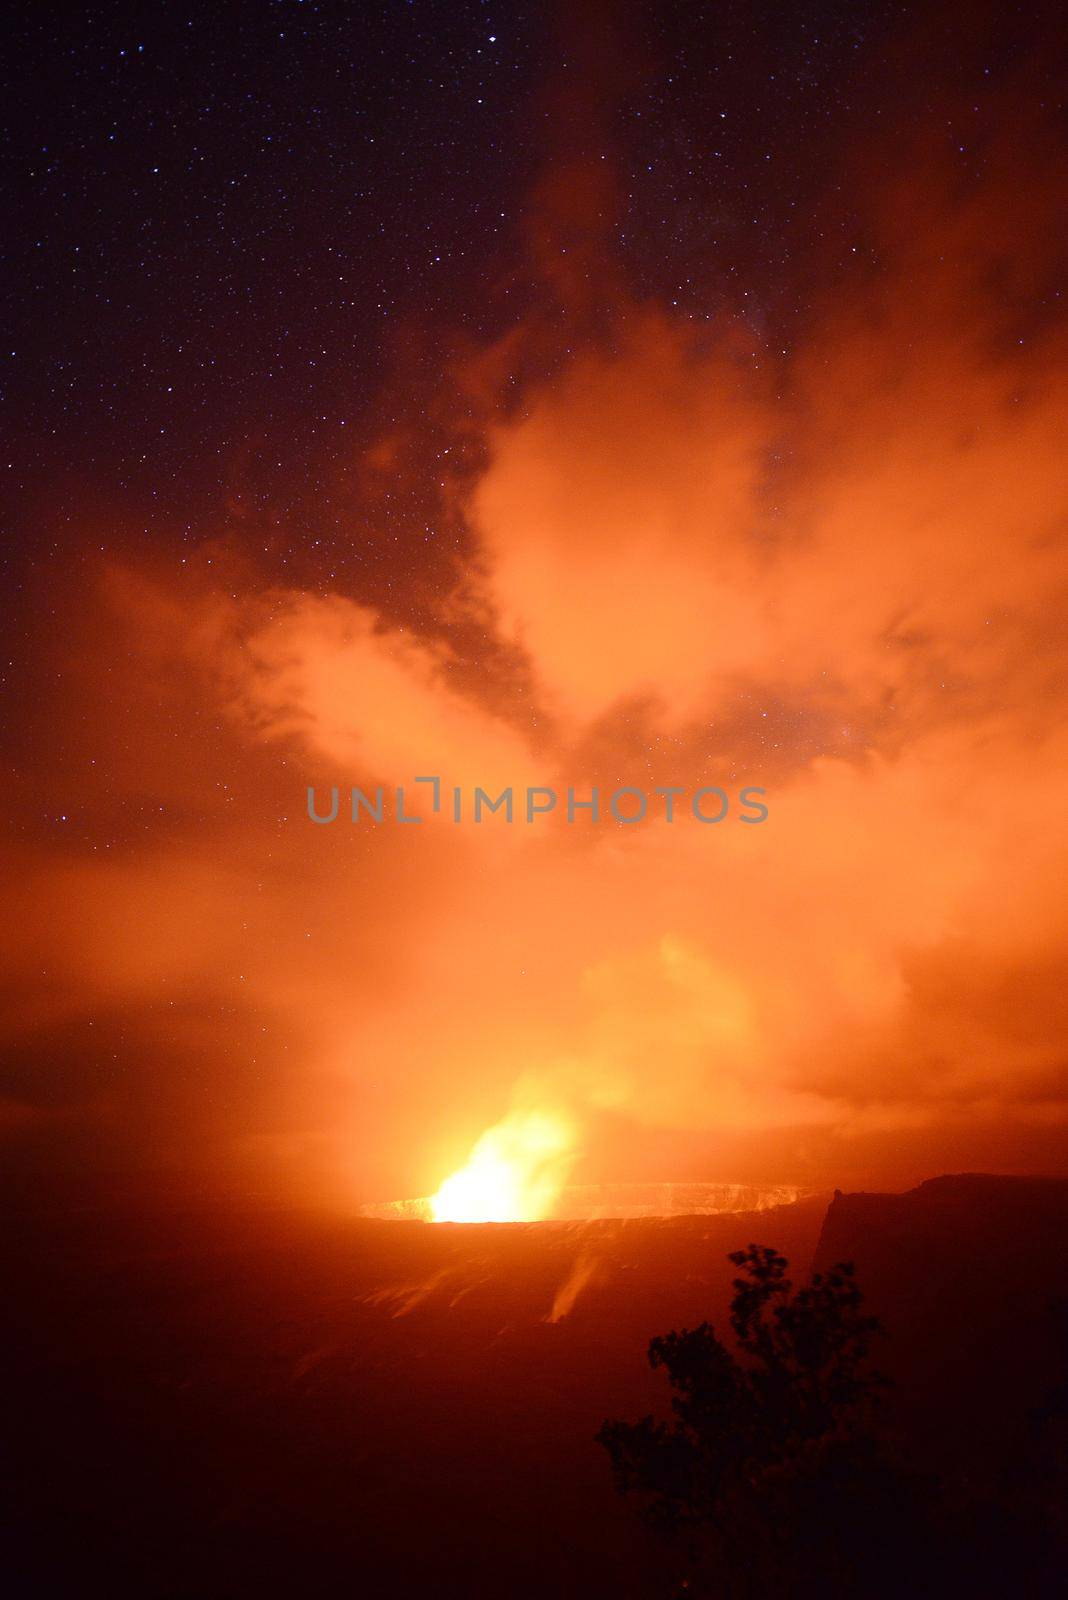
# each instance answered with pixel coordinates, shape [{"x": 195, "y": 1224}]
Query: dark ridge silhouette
[
  {"x": 272, "y": 1404},
  {"x": 963, "y": 1272}
]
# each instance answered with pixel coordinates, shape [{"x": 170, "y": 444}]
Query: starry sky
[
  {"x": 240, "y": 237},
  {"x": 589, "y": 393}
]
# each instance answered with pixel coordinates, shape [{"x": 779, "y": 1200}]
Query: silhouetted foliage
[{"x": 768, "y": 1472}]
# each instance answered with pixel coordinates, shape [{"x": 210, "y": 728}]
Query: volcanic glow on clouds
[{"x": 835, "y": 569}]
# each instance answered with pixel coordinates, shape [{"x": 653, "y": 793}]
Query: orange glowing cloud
[
  {"x": 365, "y": 698},
  {"x": 838, "y": 573}
]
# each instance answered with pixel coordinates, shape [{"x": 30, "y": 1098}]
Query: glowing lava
[{"x": 515, "y": 1172}]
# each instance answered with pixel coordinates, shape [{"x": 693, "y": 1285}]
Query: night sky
[
  {"x": 239, "y": 237},
  {"x": 611, "y": 392}
]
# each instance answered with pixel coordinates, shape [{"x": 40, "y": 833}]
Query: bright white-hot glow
[{"x": 514, "y": 1174}]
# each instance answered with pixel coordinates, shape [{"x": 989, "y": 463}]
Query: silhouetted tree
[{"x": 768, "y": 1472}]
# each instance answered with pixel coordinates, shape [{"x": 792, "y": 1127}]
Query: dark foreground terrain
[{"x": 278, "y": 1405}]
